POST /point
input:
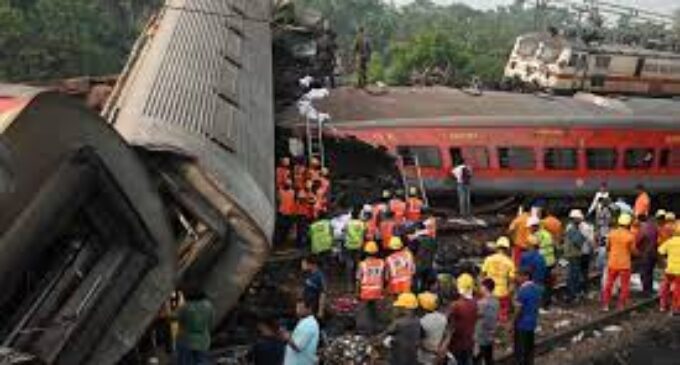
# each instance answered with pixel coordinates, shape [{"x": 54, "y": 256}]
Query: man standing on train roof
[
  {"x": 520, "y": 234},
  {"x": 501, "y": 269},
  {"x": 646, "y": 243},
  {"x": 463, "y": 175},
  {"x": 547, "y": 250},
  {"x": 596, "y": 204},
  {"x": 642, "y": 202},
  {"x": 621, "y": 247}
]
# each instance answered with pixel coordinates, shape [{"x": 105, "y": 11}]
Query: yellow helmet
[
  {"x": 503, "y": 242},
  {"x": 395, "y": 243},
  {"x": 386, "y": 194},
  {"x": 406, "y": 301},
  {"x": 428, "y": 301},
  {"x": 371, "y": 247},
  {"x": 625, "y": 219},
  {"x": 465, "y": 283}
]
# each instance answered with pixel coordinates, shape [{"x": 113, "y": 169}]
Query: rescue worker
[
  {"x": 371, "y": 284},
  {"x": 398, "y": 208},
  {"x": 314, "y": 169},
  {"x": 299, "y": 174},
  {"x": 425, "y": 240},
  {"x": 285, "y": 218},
  {"x": 355, "y": 232},
  {"x": 501, "y": 269},
  {"x": 362, "y": 55},
  {"x": 553, "y": 225},
  {"x": 400, "y": 267},
  {"x": 405, "y": 331},
  {"x": 304, "y": 201},
  {"x": 621, "y": 246},
  {"x": 547, "y": 250},
  {"x": 642, "y": 202},
  {"x": 283, "y": 172},
  {"x": 519, "y": 232},
  {"x": 671, "y": 281},
  {"x": 575, "y": 237},
  {"x": 386, "y": 229},
  {"x": 433, "y": 324},
  {"x": 646, "y": 244},
  {"x": 667, "y": 228},
  {"x": 321, "y": 235},
  {"x": 414, "y": 206}
]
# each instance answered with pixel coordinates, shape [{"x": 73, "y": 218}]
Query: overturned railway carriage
[
  {"x": 520, "y": 143},
  {"x": 86, "y": 255}
]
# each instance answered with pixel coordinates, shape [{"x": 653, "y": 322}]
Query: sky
[{"x": 662, "y": 6}]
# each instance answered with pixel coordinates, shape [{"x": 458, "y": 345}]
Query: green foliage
[
  {"x": 47, "y": 39},
  {"x": 376, "y": 68}
]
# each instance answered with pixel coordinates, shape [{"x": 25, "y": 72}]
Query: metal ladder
[
  {"x": 315, "y": 147},
  {"x": 419, "y": 178}
]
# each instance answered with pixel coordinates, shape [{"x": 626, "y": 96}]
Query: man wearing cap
[
  {"x": 405, "y": 330},
  {"x": 534, "y": 263},
  {"x": 666, "y": 227},
  {"x": 671, "y": 249},
  {"x": 459, "y": 338},
  {"x": 371, "y": 284},
  {"x": 501, "y": 269},
  {"x": 621, "y": 247},
  {"x": 547, "y": 250},
  {"x": 400, "y": 267},
  {"x": 578, "y": 247},
  {"x": 433, "y": 323}
]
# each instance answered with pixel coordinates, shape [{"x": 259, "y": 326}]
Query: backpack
[{"x": 466, "y": 175}]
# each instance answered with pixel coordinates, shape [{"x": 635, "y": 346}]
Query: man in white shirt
[
  {"x": 463, "y": 175},
  {"x": 302, "y": 344},
  {"x": 597, "y": 199}
]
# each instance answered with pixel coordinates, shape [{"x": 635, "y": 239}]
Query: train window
[
  {"x": 601, "y": 158},
  {"x": 560, "y": 158},
  {"x": 521, "y": 158},
  {"x": 477, "y": 157},
  {"x": 602, "y": 61},
  {"x": 669, "y": 158},
  {"x": 426, "y": 156},
  {"x": 639, "y": 158}
]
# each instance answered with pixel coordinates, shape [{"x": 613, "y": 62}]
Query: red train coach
[{"x": 520, "y": 143}]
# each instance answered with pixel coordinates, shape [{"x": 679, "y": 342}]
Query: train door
[{"x": 456, "y": 155}]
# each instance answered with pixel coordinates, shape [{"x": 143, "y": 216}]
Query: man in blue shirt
[
  {"x": 302, "y": 344},
  {"x": 314, "y": 286},
  {"x": 533, "y": 262},
  {"x": 527, "y": 303}
]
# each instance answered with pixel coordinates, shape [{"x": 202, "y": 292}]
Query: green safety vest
[
  {"x": 322, "y": 236},
  {"x": 546, "y": 247},
  {"x": 355, "y": 234}
]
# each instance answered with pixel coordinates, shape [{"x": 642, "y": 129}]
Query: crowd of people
[{"x": 389, "y": 246}]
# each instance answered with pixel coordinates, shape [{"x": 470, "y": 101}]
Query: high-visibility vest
[
  {"x": 414, "y": 206},
  {"x": 546, "y": 246},
  {"x": 386, "y": 232},
  {"x": 287, "y": 202},
  {"x": 282, "y": 174},
  {"x": 371, "y": 229},
  {"x": 305, "y": 204},
  {"x": 299, "y": 177},
  {"x": 354, "y": 239},
  {"x": 322, "y": 236},
  {"x": 400, "y": 267},
  {"x": 371, "y": 279},
  {"x": 398, "y": 208}
]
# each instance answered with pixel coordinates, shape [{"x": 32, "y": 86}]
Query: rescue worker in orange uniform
[
  {"x": 283, "y": 172},
  {"x": 414, "y": 206},
  {"x": 642, "y": 202},
  {"x": 400, "y": 267},
  {"x": 398, "y": 208},
  {"x": 299, "y": 175},
  {"x": 520, "y": 235},
  {"x": 305, "y": 201},
  {"x": 371, "y": 284},
  {"x": 621, "y": 248},
  {"x": 314, "y": 169},
  {"x": 287, "y": 212},
  {"x": 386, "y": 229}
]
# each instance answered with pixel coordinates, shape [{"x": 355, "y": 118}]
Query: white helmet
[
  {"x": 576, "y": 214},
  {"x": 533, "y": 221}
]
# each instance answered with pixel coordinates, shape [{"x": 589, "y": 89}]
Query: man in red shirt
[{"x": 459, "y": 337}]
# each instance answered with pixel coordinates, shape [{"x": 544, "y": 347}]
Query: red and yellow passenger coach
[{"x": 519, "y": 143}]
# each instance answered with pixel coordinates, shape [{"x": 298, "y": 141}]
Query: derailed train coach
[{"x": 99, "y": 223}]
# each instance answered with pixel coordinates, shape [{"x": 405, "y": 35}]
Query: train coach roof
[{"x": 402, "y": 105}]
